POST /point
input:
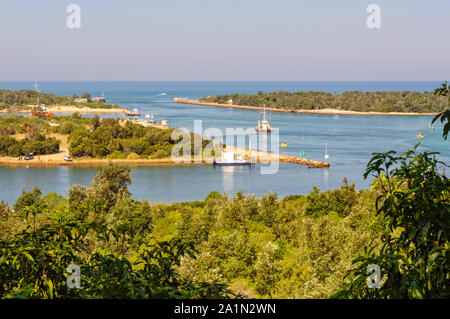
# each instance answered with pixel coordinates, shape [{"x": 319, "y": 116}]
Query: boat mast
[{"x": 36, "y": 86}]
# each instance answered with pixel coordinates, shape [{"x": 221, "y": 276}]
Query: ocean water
[{"x": 351, "y": 140}]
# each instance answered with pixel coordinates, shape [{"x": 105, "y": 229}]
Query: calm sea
[{"x": 351, "y": 140}]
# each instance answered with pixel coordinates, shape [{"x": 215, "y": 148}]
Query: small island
[
  {"x": 346, "y": 103},
  {"x": 26, "y": 101}
]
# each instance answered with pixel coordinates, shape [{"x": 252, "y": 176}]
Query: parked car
[
  {"x": 68, "y": 158},
  {"x": 29, "y": 157}
]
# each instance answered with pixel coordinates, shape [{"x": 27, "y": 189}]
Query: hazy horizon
[{"x": 232, "y": 41}]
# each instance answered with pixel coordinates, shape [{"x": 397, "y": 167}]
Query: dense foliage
[
  {"x": 384, "y": 101},
  {"x": 297, "y": 247},
  {"x": 16, "y": 124},
  {"x": 43, "y": 235},
  {"x": 414, "y": 259},
  {"x": 444, "y": 116},
  {"x": 109, "y": 138},
  {"x": 39, "y": 145},
  {"x": 30, "y": 97},
  {"x": 9, "y": 98},
  {"x": 96, "y": 138}
]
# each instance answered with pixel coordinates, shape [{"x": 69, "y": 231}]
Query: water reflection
[
  {"x": 228, "y": 173},
  {"x": 325, "y": 176}
]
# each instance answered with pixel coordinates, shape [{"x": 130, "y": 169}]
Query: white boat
[
  {"x": 263, "y": 124},
  {"x": 326, "y": 156},
  {"x": 230, "y": 158},
  {"x": 135, "y": 112}
]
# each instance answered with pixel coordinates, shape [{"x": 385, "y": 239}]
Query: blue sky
[{"x": 225, "y": 40}]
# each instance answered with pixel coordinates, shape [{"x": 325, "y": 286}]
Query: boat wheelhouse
[{"x": 263, "y": 126}]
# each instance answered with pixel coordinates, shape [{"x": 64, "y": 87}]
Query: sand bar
[{"x": 322, "y": 111}]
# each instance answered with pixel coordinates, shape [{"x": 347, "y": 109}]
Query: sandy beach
[
  {"x": 72, "y": 109},
  {"x": 323, "y": 111}
]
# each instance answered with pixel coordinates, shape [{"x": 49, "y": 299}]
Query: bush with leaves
[{"x": 414, "y": 258}]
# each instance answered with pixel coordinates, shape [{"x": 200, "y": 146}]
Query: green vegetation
[
  {"x": 305, "y": 246},
  {"x": 21, "y": 98},
  {"x": 414, "y": 203},
  {"x": 392, "y": 101},
  {"x": 30, "y": 97},
  {"x": 127, "y": 248},
  {"x": 42, "y": 235},
  {"x": 35, "y": 140},
  {"x": 444, "y": 116},
  {"x": 297, "y": 247},
  {"x": 39, "y": 145},
  {"x": 106, "y": 138},
  {"x": 16, "y": 124}
]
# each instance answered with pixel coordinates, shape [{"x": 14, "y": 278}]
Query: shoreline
[
  {"x": 96, "y": 162},
  {"x": 260, "y": 157},
  {"x": 322, "y": 112},
  {"x": 72, "y": 109}
]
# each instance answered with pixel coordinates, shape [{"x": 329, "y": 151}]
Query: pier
[{"x": 264, "y": 157}]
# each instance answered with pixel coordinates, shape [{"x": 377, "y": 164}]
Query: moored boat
[
  {"x": 230, "y": 158},
  {"x": 135, "y": 112},
  {"x": 263, "y": 126}
]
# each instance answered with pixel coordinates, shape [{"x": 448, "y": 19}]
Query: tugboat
[{"x": 263, "y": 126}]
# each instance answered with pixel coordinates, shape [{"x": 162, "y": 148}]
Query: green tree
[
  {"x": 111, "y": 183},
  {"x": 414, "y": 258},
  {"x": 445, "y": 115},
  {"x": 95, "y": 122}
]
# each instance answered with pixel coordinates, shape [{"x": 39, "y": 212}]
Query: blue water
[{"x": 351, "y": 139}]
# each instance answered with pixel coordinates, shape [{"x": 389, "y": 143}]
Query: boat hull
[
  {"x": 231, "y": 163},
  {"x": 261, "y": 131}
]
